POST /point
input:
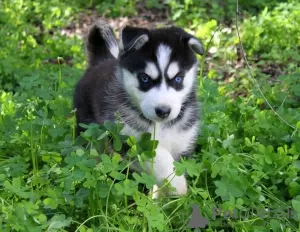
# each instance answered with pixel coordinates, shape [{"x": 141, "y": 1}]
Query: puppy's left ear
[
  {"x": 195, "y": 45},
  {"x": 133, "y": 38}
]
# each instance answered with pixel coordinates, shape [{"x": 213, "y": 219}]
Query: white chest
[{"x": 174, "y": 139}]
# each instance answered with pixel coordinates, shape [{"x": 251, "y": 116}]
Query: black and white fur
[{"x": 149, "y": 77}]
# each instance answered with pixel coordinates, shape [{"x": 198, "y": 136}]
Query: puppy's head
[{"x": 158, "y": 69}]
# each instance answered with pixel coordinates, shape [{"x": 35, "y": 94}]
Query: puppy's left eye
[
  {"x": 178, "y": 79},
  {"x": 177, "y": 82}
]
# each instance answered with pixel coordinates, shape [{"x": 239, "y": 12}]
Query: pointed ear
[
  {"x": 101, "y": 43},
  {"x": 196, "y": 46},
  {"x": 133, "y": 38}
]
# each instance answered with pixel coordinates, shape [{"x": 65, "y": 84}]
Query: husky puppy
[{"x": 149, "y": 77}]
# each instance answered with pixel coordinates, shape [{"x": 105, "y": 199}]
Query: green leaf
[
  {"x": 78, "y": 175},
  {"x": 149, "y": 180},
  {"x": 276, "y": 225},
  {"x": 239, "y": 202},
  {"x": 50, "y": 203},
  {"x": 179, "y": 169},
  {"x": 296, "y": 163},
  {"x": 51, "y": 156},
  {"x": 294, "y": 188},
  {"x": 132, "y": 152},
  {"x": 238, "y": 186},
  {"x": 192, "y": 168},
  {"x": 203, "y": 194},
  {"x": 268, "y": 158},
  {"x": 90, "y": 163},
  {"x": 117, "y": 175},
  {"x": 148, "y": 154},
  {"x": 221, "y": 190},
  {"x": 145, "y": 137},
  {"x": 131, "y": 141},
  {"x": 93, "y": 131},
  {"x": 116, "y": 159},
  {"x": 231, "y": 187},
  {"x": 2, "y": 177},
  {"x": 130, "y": 187},
  {"x": 103, "y": 135},
  {"x": 106, "y": 164},
  {"x": 117, "y": 143},
  {"x": 42, "y": 219},
  {"x": 110, "y": 126},
  {"x": 296, "y": 205},
  {"x": 104, "y": 190},
  {"x": 80, "y": 152},
  {"x": 119, "y": 187},
  {"x": 228, "y": 142},
  {"x": 94, "y": 153},
  {"x": 248, "y": 142},
  {"x": 15, "y": 187},
  {"x": 105, "y": 158},
  {"x": 16, "y": 183},
  {"x": 138, "y": 178},
  {"x": 59, "y": 221},
  {"x": 89, "y": 183}
]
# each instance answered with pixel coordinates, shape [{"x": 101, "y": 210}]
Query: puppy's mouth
[
  {"x": 158, "y": 119},
  {"x": 162, "y": 113}
]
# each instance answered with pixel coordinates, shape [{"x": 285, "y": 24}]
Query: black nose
[{"x": 163, "y": 111}]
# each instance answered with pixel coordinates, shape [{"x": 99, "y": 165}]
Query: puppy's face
[{"x": 158, "y": 68}]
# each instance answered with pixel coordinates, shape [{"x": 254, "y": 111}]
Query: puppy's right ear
[{"x": 133, "y": 38}]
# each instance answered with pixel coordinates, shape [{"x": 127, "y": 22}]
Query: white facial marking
[
  {"x": 173, "y": 69},
  {"x": 151, "y": 70},
  {"x": 166, "y": 96},
  {"x": 189, "y": 79},
  {"x": 131, "y": 85},
  {"x": 163, "y": 56},
  {"x": 161, "y": 95}
]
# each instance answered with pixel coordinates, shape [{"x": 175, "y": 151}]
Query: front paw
[{"x": 179, "y": 186}]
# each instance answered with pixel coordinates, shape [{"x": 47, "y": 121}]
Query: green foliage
[
  {"x": 247, "y": 156},
  {"x": 283, "y": 24},
  {"x": 193, "y": 11},
  {"x": 116, "y": 8}
]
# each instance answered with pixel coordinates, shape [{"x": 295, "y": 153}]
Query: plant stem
[{"x": 59, "y": 59}]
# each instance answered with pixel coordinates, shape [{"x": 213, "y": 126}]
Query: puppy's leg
[{"x": 164, "y": 169}]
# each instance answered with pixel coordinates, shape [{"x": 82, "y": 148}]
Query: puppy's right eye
[
  {"x": 143, "y": 77},
  {"x": 145, "y": 81}
]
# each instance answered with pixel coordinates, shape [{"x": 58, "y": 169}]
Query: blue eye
[
  {"x": 145, "y": 79},
  {"x": 178, "y": 80}
]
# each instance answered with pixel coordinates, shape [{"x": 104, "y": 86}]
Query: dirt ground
[{"x": 148, "y": 18}]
